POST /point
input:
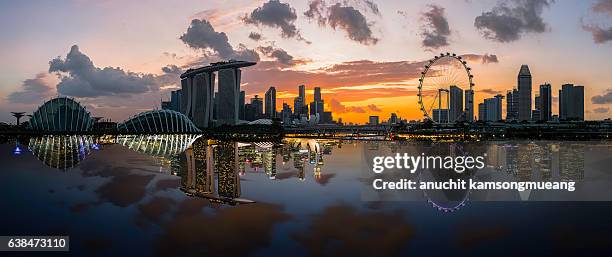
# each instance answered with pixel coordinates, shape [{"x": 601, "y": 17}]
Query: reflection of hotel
[
  {"x": 227, "y": 169},
  {"x": 202, "y": 161}
]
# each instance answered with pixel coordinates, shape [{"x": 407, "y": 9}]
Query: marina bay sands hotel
[{"x": 198, "y": 89}]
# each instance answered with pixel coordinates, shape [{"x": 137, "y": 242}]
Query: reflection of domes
[
  {"x": 158, "y": 121},
  {"x": 261, "y": 122},
  {"x": 61, "y": 114},
  {"x": 157, "y": 145},
  {"x": 61, "y": 152}
]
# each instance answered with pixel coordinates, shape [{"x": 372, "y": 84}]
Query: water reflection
[
  {"x": 158, "y": 145},
  {"x": 61, "y": 152},
  {"x": 212, "y": 169}
]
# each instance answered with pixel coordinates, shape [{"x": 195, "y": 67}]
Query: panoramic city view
[{"x": 306, "y": 128}]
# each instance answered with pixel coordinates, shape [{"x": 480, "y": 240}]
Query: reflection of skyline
[
  {"x": 539, "y": 161},
  {"x": 61, "y": 152}
]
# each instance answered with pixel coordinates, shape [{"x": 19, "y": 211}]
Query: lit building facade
[{"x": 61, "y": 114}]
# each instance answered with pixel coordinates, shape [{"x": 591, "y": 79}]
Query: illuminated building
[
  {"x": 226, "y": 167},
  {"x": 61, "y": 114},
  {"x": 158, "y": 121}
]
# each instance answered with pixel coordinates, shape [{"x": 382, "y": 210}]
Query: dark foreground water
[{"x": 148, "y": 196}]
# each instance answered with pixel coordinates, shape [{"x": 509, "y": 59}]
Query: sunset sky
[{"x": 120, "y": 57}]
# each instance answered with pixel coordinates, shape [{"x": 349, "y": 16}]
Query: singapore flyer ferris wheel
[{"x": 446, "y": 89}]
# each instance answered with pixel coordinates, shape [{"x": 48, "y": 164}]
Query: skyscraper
[
  {"x": 482, "y": 112},
  {"x": 302, "y": 93},
  {"x": 241, "y": 103},
  {"x": 456, "y": 103},
  {"x": 197, "y": 98},
  {"x": 571, "y": 102},
  {"x": 317, "y": 94},
  {"x": 286, "y": 114},
  {"x": 491, "y": 109},
  {"x": 535, "y": 114},
  {"x": 271, "y": 103},
  {"x": 257, "y": 104},
  {"x": 524, "y": 90},
  {"x": 469, "y": 105},
  {"x": 229, "y": 92},
  {"x": 175, "y": 100},
  {"x": 512, "y": 102},
  {"x": 545, "y": 102}
]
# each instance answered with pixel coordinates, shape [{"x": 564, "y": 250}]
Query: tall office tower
[
  {"x": 317, "y": 94},
  {"x": 271, "y": 103},
  {"x": 571, "y": 102},
  {"x": 482, "y": 112},
  {"x": 491, "y": 113},
  {"x": 317, "y": 106},
  {"x": 509, "y": 105},
  {"x": 303, "y": 110},
  {"x": 297, "y": 106},
  {"x": 456, "y": 104},
  {"x": 302, "y": 93},
  {"x": 393, "y": 118},
  {"x": 175, "y": 100},
  {"x": 469, "y": 105},
  {"x": 535, "y": 114},
  {"x": 229, "y": 92},
  {"x": 524, "y": 89},
  {"x": 491, "y": 109},
  {"x": 545, "y": 102},
  {"x": 196, "y": 98},
  {"x": 257, "y": 104},
  {"x": 499, "y": 99},
  {"x": 512, "y": 104},
  {"x": 241, "y": 103},
  {"x": 286, "y": 114}
]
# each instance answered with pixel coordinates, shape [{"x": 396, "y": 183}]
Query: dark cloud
[
  {"x": 277, "y": 15},
  {"x": 79, "y": 77},
  {"x": 317, "y": 11},
  {"x": 32, "y": 90},
  {"x": 603, "y": 6},
  {"x": 255, "y": 36},
  {"x": 600, "y": 35},
  {"x": 372, "y": 6},
  {"x": 484, "y": 58},
  {"x": 343, "y": 231},
  {"x": 237, "y": 231},
  {"x": 170, "y": 75},
  {"x": 489, "y": 58},
  {"x": 605, "y": 98},
  {"x": 353, "y": 22},
  {"x": 601, "y": 110},
  {"x": 280, "y": 55},
  {"x": 202, "y": 35},
  {"x": 506, "y": 23},
  {"x": 435, "y": 29},
  {"x": 345, "y": 17},
  {"x": 338, "y": 107},
  {"x": 490, "y": 91},
  {"x": 374, "y": 108}
]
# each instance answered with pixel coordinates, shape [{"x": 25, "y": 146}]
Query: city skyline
[{"x": 365, "y": 74}]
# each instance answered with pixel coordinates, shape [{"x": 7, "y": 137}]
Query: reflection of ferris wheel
[{"x": 441, "y": 87}]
